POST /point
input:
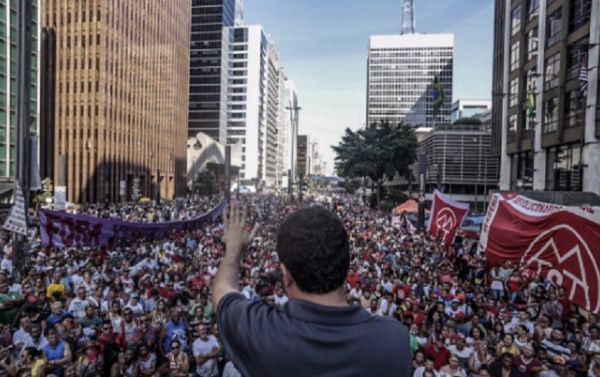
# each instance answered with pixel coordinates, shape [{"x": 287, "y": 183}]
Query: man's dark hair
[{"x": 313, "y": 245}]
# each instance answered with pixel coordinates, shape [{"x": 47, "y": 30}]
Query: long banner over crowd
[
  {"x": 62, "y": 229},
  {"x": 557, "y": 242},
  {"x": 446, "y": 217}
]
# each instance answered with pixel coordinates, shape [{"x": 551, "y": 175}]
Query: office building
[
  {"x": 466, "y": 108},
  {"x": 254, "y": 103},
  {"x": 402, "y": 72},
  {"x": 208, "y": 66},
  {"x": 272, "y": 173},
  {"x": 19, "y": 47},
  {"x": 247, "y": 97},
  {"x": 460, "y": 163},
  {"x": 546, "y": 119},
  {"x": 121, "y": 97}
]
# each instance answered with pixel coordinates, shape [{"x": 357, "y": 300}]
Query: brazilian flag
[{"x": 438, "y": 95}]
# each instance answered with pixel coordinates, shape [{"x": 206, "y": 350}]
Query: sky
[{"x": 322, "y": 46}]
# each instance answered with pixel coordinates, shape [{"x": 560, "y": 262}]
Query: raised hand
[{"x": 236, "y": 234}]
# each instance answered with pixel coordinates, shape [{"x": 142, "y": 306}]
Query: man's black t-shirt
[{"x": 305, "y": 339}]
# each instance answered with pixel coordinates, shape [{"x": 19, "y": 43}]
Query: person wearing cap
[{"x": 89, "y": 362}]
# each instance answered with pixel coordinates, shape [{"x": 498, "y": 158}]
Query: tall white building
[
  {"x": 246, "y": 102},
  {"x": 468, "y": 108},
  {"x": 402, "y": 72},
  {"x": 272, "y": 130},
  {"x": 253, "y": 101}
]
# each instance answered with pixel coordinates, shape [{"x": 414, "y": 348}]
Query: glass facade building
[
  {"x": 10, "y": 14},
  {"x": 208, "y": 67},
  {"x": 401, "y": 74}
]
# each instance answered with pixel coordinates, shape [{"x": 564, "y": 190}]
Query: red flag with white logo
[
  {"x": 446, "y": 217},
  {"x": 557, "y": 242}
]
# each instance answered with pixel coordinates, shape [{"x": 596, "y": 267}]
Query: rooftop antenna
[{"x": 408, "y": 17}]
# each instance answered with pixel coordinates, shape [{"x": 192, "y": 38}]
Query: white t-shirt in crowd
[
  {"x": 77, "y": 307},
  {"x": 203, "y": 348},
  {"x": 280, "y": 300}
]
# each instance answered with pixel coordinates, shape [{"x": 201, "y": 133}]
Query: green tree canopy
[{"x": 376, "y": 152}]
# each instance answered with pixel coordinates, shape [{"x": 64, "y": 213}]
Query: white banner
[{"x": 17, "y": 220}]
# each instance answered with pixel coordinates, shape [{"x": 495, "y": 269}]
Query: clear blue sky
[{"x": 322, "y": 46}]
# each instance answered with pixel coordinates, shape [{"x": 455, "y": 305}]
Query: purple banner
[{"x": 61, "y": 229}]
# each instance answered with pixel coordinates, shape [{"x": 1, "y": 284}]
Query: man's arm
[{"x": 237, "y": 238}]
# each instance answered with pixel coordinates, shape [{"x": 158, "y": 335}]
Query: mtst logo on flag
[
  {"x": 557, "y": 242},
  {"x": 446, "y": 217}
]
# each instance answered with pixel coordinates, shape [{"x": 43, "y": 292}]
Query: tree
[{"x": 376, "y": 152}]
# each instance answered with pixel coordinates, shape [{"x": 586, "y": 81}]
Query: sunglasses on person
[{"x": 175, "y": 348}]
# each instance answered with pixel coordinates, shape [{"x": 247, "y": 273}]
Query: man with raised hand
[{"x": 316, "y": 333}]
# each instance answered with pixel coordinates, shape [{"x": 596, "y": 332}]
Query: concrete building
[
  {"x": 246, "y": 104},
  {"x": 546, "y": 127},
  {"x": 14, "y": 105},
  {"x": 121, "y": 96},
  {"x": 208, "y": 65},
  {"x": 272, "y": 147},
  {"x": 466, "y": 108},
  {"x": 253, "y": 101},
  {"x": 402, "y": 70},
  {"x": 459, "y": 161}
]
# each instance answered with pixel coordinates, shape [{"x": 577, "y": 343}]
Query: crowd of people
[{"x": 143, "y": 307}]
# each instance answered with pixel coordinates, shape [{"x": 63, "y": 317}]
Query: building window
[
  {"x": 514, "y": 55},
  {"x": 522, "y": 171},
  {"x": 512, "y": 128},
  {"x": 552, "y": 76},
  {"x": 576, "y": 56},
  {"x": 563, "y": 168},
  {"x": 514, "y": 92},
  {"x": 550, "y": 115},
  {"x": 533, "y": 7},
  {"x": 515, "y": 20},
  {"x": 532, "y": 43},
  {"x": 574, "y": 109},
  {"x": 581, "y": 11},
  {"x": 554, "y": 28}
]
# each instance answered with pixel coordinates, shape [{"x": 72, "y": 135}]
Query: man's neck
[{"x": 335, "y": 298}]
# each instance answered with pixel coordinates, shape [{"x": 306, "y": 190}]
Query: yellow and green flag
[{"x": 438, "y": 95}]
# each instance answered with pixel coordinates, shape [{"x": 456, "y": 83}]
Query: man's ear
[{"x": 286, "y": 277}]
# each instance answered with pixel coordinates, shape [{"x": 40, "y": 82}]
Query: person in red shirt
[
  {"x": 353, "y": 278},
  {"x": 438, "y": 352}
]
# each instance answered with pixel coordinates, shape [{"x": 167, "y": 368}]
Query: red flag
[
  {"x": 446, "y": 217},
  {"x": 557, "y": 242}
]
